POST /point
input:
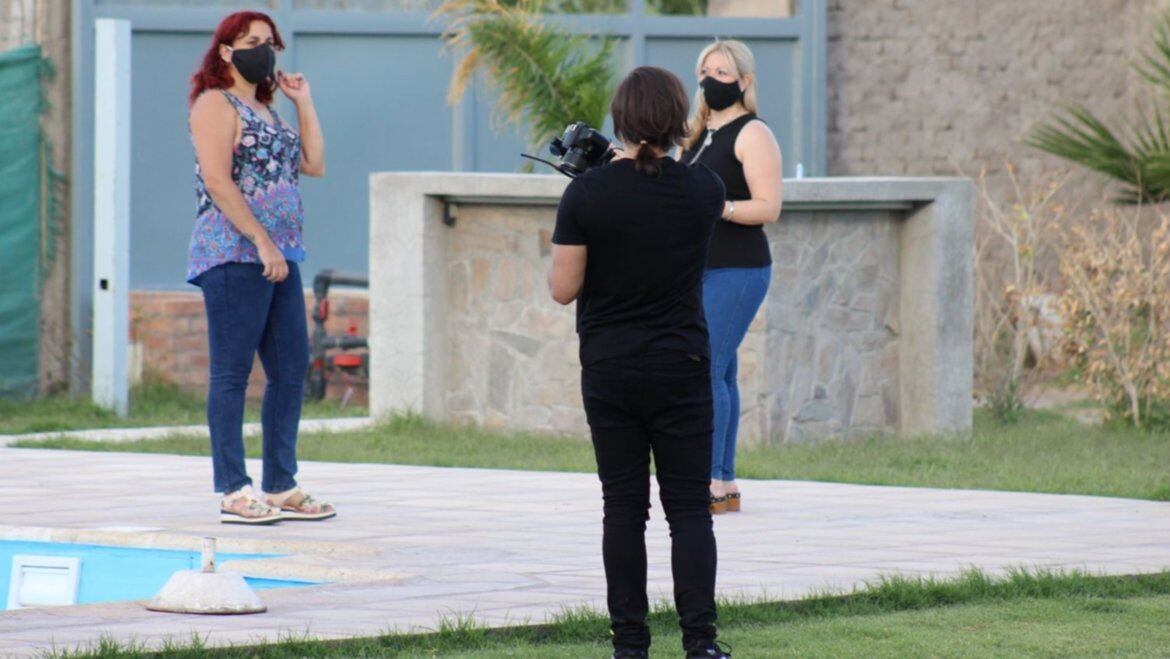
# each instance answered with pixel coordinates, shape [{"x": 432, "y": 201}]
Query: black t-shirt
[{"x": 646, "y": 241}]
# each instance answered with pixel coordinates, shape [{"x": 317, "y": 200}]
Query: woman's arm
[
  {"x": 757, "y": 149},
  {"x": 566, "y": 276},
  {"x": 213, "y": 130},
  {"x": 296, "y": 88}
]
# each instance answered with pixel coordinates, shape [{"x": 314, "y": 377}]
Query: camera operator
[{"x": 630, "y": 245}]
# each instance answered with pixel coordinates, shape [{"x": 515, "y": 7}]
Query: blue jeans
[
  {"x": 247, "y": 314},
  {"x": 731, "y": 297}
]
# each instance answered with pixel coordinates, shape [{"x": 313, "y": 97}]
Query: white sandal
[{"x": 244, "y": 507}]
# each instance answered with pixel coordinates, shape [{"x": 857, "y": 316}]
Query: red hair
[{"x": 216, "y": 73}]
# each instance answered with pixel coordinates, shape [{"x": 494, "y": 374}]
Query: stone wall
[
  {"x": 831, "y": 329},
  {"x": 866, "y": 328},
  {"x": 513, "y": 351},
  {"x": 828, "y": 332},
  {"x": 927, "y": 87}
]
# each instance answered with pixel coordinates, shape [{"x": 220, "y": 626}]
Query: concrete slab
[{"x": 413, "y": 546}]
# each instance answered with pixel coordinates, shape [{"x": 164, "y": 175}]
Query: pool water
[{"x": 111, "y": 574}]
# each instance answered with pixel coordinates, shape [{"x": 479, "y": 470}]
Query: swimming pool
[{"x": 110, "y": 574}]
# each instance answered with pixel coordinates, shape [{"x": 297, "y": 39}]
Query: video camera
[{"x": 581, "y": 148}]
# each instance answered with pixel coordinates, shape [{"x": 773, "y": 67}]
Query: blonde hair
[{"x": 743, "y": 64}]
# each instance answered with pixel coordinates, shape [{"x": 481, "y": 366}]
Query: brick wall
[
  {"x": 934, "y": 87},
  {"x": 168, "y": 336}
]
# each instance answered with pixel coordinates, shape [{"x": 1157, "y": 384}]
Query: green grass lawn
[
  {"x": 153, "y": 404},
  {"x": 1054, "y": 628},
  {"x": 1045, "y": 452},
  {"x": 1023, "y": 615}
]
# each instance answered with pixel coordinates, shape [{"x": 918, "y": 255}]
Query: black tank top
[{"x": 732, "y": 245}]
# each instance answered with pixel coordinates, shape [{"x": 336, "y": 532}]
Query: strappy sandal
[
  {"x": 718, "y": 505},
  {"x": 733, "y": 499},
  {"x": 242, "y": 507},
  {"x": 297, "y": 505}
]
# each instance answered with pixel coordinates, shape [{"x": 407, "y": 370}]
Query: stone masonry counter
[{"x": 866, "y": 328}]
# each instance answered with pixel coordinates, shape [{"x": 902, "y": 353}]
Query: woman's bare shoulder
[
  {"x": 757, "y": 128},
  {"x": 211, "y": 103},
  {"x": 755, "y": 136}
]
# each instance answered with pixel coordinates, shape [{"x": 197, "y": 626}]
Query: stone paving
[{"x": 415, "y": 545}]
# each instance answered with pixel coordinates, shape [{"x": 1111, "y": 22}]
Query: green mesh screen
[{"x": 24, "y": 209}]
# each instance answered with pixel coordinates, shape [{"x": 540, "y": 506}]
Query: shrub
[
  {"x": 1116, "y": 269},
  {"x": 1012, "y": 246}
]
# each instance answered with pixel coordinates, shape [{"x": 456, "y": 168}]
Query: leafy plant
[
  {"x": 547, "y": 78},
  {"x": 1138, "y": 157}
]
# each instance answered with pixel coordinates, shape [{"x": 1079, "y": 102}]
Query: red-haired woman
[{"x": 244, "y": 253}]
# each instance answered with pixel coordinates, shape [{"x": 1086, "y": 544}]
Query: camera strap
[{"x": 559, "y": 168}]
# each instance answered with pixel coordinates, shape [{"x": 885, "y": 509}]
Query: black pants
[{"x": 658, "y": 403}]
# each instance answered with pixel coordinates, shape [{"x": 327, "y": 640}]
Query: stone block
[
  {"x": 825, "y": 355},
  {"x": 501, "y": 369}
]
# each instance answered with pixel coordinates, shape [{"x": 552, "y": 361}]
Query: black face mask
[
  {"x": 255, "y": 64},
  {"x": 720, "y": 95}
]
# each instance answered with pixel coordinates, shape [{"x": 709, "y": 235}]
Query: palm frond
[
  {"x": 1154, "y": 65},
  {"x": 1142, "y": 162},
  {"x": 546, "y": 78},
  {"x": 1080, "y": 137}
]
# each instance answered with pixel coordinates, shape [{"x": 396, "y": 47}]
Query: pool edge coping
[{"x": 299, "y": 561}]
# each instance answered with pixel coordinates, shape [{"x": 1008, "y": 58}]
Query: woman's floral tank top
[{"x": 266, "y": 167}]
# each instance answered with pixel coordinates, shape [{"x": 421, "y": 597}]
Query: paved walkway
[{"x": 413, "y": 545}]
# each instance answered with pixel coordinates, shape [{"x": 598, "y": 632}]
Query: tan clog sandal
[
  {"x": 244, "y": 507},
  {"x": 297, "y": 505}
]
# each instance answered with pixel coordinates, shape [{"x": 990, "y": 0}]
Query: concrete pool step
[{"x": 296, "y": 560}]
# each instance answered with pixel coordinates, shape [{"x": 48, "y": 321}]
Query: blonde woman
[{"x": 728, "y": 137}]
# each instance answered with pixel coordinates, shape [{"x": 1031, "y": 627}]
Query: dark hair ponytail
[
  {"x": 645, "y": 160},
  {"x": 650, "y": 108}
]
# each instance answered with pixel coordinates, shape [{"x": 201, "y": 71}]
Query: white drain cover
[{"x": 43, "y": 581}]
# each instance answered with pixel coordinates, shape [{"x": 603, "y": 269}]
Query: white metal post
[{"x": 111, "y": 215}]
